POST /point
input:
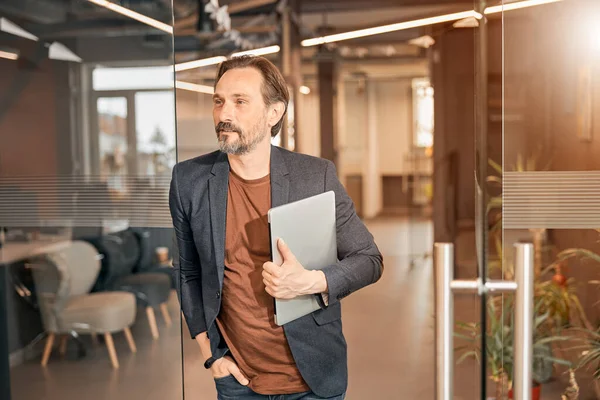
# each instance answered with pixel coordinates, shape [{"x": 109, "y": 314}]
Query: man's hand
[
  {"x": 226, "y": 366},
  {"x": 290, "y": 279}
]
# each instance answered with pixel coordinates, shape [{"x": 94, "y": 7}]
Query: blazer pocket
[{"x": 327, "y": 315}]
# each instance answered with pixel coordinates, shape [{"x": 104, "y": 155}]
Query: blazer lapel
[
  {"x": 280, "y": 183},
  {"x": 217, "y": 193}
]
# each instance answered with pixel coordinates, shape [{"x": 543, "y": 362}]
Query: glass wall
[
  {"x": 536, "y": 181},
  {"x": 550, "y": 170},
  {"x": 87, "y": 145}
]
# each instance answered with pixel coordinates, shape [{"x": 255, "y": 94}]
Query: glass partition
[
  {"x": 87, "y": 145},
  {"x": 549, "y": 176}
]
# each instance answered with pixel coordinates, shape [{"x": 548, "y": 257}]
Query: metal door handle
[{"x": 444, "y": 312}]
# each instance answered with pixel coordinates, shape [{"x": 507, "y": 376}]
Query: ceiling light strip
[
  {"x": 134, "y": 15},
  {"x": 205, "y": 62},
  {"x": 258, "y": 52},
  {"x": 9, "y": 55},
  {"x": 387, "y": 28},
  {"x": 518, "y": 5},
  {"x": 422, "y": 22},
  {"x": 199, "y": 63},
  {"x": 194, "y": 87}
]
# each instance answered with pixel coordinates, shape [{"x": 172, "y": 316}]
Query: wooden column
[
  {"x": 327, "y": 75},
  {"x": 291, "y": 67}
]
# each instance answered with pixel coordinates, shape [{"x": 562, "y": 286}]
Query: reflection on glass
[
  {"x": 155, "y": 132},
  {"x": 423, "y": 112},
  {"x": 549, "y": 174},
  {"x": 87, "y": 137},
  {"x": 112, "y": 139}
]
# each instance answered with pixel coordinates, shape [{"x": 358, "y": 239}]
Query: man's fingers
[
  {"x": 271, "y": 268},
  {"x": 235, "y": 371},
  {"x": 269, "y": 290},
  {"x": 285, "y": 251}
]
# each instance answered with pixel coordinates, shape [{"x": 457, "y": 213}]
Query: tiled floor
[{"x": 388, "y": 326}]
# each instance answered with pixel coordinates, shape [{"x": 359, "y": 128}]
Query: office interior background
[{"x": 475, "y": 123}]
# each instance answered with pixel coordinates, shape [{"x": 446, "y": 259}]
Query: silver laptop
[{"x": 308, "y": 228}]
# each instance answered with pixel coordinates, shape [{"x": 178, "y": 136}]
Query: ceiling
[{"x": 101, "y": 35}]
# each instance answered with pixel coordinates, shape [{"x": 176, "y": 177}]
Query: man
[{"x": 219, "y": 205}]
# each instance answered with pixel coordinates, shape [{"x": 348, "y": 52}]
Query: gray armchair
[{"x": 63, "y": 280}]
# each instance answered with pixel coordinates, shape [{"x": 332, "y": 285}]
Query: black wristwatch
[{"x": 208, "y": 363}]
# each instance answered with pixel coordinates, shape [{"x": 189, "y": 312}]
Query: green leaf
[
  {"x": 466, "y": 355},
  {"x": 497, "y": 167}
]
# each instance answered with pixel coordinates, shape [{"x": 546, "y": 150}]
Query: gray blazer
[{"x": 198, "y": 202}]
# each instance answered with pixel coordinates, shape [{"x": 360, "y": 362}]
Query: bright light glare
[
  {"x": 194, "y": 87},
  {"x": 133, "y": 15}
]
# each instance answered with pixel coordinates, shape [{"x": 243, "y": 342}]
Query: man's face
[{"x": 239, "y": 111}]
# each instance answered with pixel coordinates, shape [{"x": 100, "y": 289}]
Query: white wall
[
  {"x": 377, "y": 138},
  {"x": 395, "y": 125}
]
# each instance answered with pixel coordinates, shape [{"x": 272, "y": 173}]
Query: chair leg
[
  {"x": 152, "y": 322},
  {"x": 63, "y": 345},
  {"x": 165, "y": 312},
  {"x": 48, "y": 349},
  {"x": 94, "y": 336},
  {"x": 111, "y": 350},
  {"x": 130, "y": 340}
]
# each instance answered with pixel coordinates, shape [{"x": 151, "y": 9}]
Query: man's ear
[{"x": 275, "y": 112}]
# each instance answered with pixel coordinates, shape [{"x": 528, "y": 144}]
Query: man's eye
[{"x": 241, "y": 102}]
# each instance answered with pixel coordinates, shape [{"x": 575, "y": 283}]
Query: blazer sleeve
[
  {"x": 360, "y": 262},
  {"x": 186, "y": 263}
]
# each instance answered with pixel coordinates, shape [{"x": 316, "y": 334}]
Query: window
[
  {"x": 136, "y": 122},
  {"x": 422, "y": 113}
]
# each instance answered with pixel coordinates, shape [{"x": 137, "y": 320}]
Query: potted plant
[
  {"x": 499, "y": 344},
  {"x": 590, "y": 356}
]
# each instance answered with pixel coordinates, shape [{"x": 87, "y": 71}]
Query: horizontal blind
[
  {"x": 551, "y": 200},
  {"x": 91, "y": 201}
]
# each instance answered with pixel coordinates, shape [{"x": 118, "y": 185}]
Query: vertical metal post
[
  {"x": 4, "y": 349},
  {"x": 523, "y": 341},
  {"x": 444, "y": 314}
]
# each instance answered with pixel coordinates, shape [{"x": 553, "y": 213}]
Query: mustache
[{"x": 227, "y": 126}]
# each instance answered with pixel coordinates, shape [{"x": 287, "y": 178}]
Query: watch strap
[{"x": 208, "y": 363}]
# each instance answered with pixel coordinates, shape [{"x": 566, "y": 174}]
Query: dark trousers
[{"x": 228, "y": 388}]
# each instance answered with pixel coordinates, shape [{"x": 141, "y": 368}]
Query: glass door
[
  {"x": 536, "y": 202},
  {"x": 550, "y": 179}
]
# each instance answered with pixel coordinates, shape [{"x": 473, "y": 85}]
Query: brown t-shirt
[{"x": 246, "y": 319}]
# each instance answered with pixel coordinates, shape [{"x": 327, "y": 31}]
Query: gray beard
[{"x": 239, "y": 147}]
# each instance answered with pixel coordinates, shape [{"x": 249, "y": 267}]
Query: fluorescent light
[
  {"x": 422, "y": 22},
  {"x": 518, "y": 5},
  {"x": 59, "y": 51},
  {"x": 258, "y": 52},
  {"x": 14, "y": 29},
  {"x": 194, "y": 87},
  {"x": 9, "y": 55},
  {"x": 133, "y": 15},
  {"x": 388, "y": 28},
  {"x": 304, "y": 89},
  {"x": 204, "y": 62}
]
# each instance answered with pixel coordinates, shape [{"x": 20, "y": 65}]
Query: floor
[{"x": 388, "y": 327}]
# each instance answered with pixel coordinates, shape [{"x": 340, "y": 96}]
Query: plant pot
[{"x": 536, "y": 392}]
